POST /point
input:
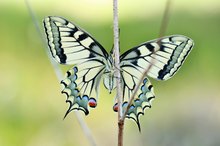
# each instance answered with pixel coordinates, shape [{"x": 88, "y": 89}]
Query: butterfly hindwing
[
  {"x": 69, "y": 44},
  {"x": 143, "y": 100},
  {"x": 81, "y": 85}
]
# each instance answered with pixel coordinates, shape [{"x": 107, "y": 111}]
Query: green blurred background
[{"x": 186, "y": 111}]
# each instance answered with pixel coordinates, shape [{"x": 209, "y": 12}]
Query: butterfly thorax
[{"x": 109, "y": 74}]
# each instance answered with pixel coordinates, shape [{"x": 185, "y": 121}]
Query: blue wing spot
[
  {"x": 75, "y": 69},
  {"x": 125, "y": 104},
  {"x": 145, "y": 81},
  {"x": 137, "y": 102},
  {"x": 85, "y": 97}
]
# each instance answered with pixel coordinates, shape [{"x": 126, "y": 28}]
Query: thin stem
[
  {"x": 57, "y": 70},
  {"x": 87, "y": 132},
  {"x": 120, "y": 132},
  {"x": 117, "y": 72},
  {"x": 165, "y": 19},
  {"x": 117, "y": 59},
  {"x": 59, "y": 75}
]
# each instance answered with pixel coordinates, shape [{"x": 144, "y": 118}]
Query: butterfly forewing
[
  {"x": 165, "y": 55},
  {"x": 69, "y": 44}
]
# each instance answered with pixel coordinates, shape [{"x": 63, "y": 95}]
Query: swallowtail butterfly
[{"x": 69, "y": 45}]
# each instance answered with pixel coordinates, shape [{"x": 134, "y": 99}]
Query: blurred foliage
[{"x": 186, "y": 111}]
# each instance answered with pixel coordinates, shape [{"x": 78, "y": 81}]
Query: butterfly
[{"x": 71, "y": 45}]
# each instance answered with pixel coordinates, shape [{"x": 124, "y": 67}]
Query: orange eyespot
[
  {"x": 115, "y": 107},
  {"x": 92, "y": 102}
]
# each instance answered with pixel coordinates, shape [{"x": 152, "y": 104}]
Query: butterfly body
[
  {"x": 109, "y": 78},
  {"x": 69, "y": 44}
]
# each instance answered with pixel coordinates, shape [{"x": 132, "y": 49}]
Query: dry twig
[{"x": 117, "y": 72}]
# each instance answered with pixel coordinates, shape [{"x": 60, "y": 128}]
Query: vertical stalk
[
  {"x": 165, "y": 18},
  {"x": 117, "y": 72}
]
